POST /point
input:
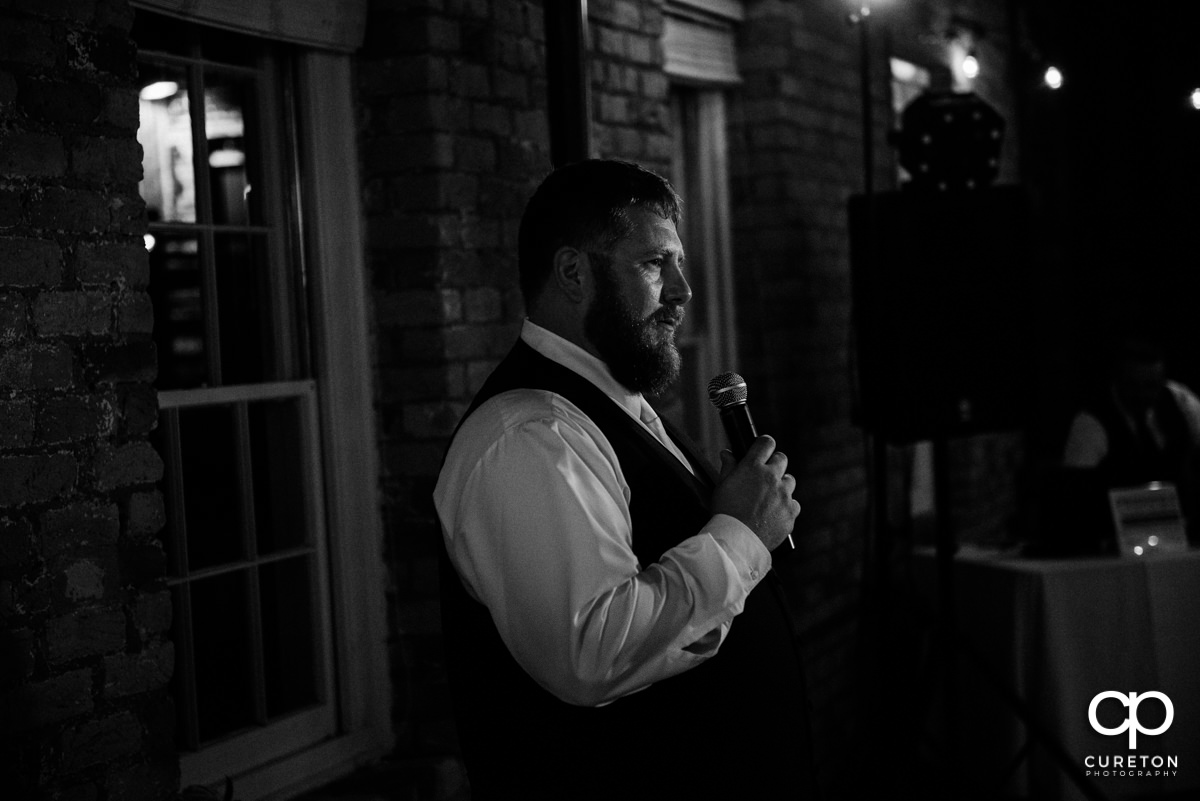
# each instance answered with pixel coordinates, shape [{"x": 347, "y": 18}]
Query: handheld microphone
[{"x": 728, "y": 393}]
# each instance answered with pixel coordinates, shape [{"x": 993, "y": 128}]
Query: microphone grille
[{"x": 727, "y": 389}]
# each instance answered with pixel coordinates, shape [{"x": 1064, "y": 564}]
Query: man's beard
[{"x": 640, "y": 354}]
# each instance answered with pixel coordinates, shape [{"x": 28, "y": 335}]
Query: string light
[
  {"x": 1053, "y": 77},
  {"x": 1196, "y": 98}
]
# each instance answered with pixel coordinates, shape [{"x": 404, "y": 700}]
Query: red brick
[
  {"x": 143, "y": 565},
  {"x": 107, "y": 160},
  {"x": 153, "y": 613},
  {"x": 136, "y": 408},
  {"x": 76, "y": 210},
  {"x": 412, "y": 231},
  {"x": 135, "y": 314},
  {"x": 478, "y": 341},
  {"x": 475, "y": 154},
  {"x": 16, "y": 423},
  {"x": 11, "y": 209},
  {"x": 51, "y": 701},
  {"x": 8, "y": 88},
  {"x": 126, "y": 465},
  {"x": 389, "y": 153},
  {"x": 71, "y": 418},
  {"x": 135, "y": 674},
  {"x": 127, "y": 213},
  {"x": 114, "y": 15},
  {"x": 53, "y": 367},
  {"x": 29, "y": 262},
  {"x": 112, "y": 364},
  {"x": 32, "y": 154},
  {"x": 532, "y": 125},
  {"x": 491, "y": 118},
  {"x": 470, "y": 80},
  {"x": 86, "y": 632},
  {"x": 75, "y": 10},
  {"x": 59, "y": 101},
  {"x": 16, "y": 544},
  {"x": 13, "y": 317},
  {"x": 418, "y": 308},
  {"x": 608, "y": 42},
  {"x": 421, "y": 383},
  {"x": 511, "y": 86},
  {"x": 400, "y": 75},
  {"x": 430, "y": 420},
  {"x": 27, "y": 42},
  {"x": 32, "y": 479},
  {"x": 483, "y": 305},
  {"x": 87, "y": 574},
  {"x": 423, "y": 34},
  {"x": 119, "y": 108},
  {"x": 414, "y": 458},
  {"x": 64, "y": 529},
  {"x": 144, "y": 515},
  {"x": 97, "y": 741},
  {"x": 127, "y": 264},
  {"x": 72, "y": 313}
]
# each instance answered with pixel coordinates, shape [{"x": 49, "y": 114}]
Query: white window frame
[
  {"x": 343, "y": 373},
  {"x": 355, "y": 726}
]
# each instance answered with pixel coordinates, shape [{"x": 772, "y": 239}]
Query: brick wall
[
  {"x": 84, "y": 658},
  {"x": 453, "y": 138},
  {"x": 630, "y": 113}
]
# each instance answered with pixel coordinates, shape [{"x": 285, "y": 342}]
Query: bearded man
[{"x": 613, "y": 628}]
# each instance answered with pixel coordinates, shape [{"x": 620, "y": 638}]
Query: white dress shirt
[{"x": 535, "y": 513}]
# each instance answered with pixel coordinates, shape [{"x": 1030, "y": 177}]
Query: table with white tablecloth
[{"x": 1058, "y": 632}]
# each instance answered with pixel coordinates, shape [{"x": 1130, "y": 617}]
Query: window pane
[
  {"x": 224, "y": 672},
  {"x": 208, "y": 445},
  {"x": 289, "y": 635},
  {"x": 177, "y": 294},
  {"x": 225, "y": 101},
  {"x": 252, "y": 336},
  {"x": 277, "y": 456},
  {"x": 168, "y": 182}
]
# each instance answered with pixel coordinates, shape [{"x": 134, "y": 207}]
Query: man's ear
[{"x": 569, "y": 273}]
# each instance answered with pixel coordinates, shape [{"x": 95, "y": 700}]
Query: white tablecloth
[{"x": 1061, "y": 631}]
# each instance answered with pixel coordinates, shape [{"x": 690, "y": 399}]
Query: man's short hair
[{"x": 585, "y": 205}]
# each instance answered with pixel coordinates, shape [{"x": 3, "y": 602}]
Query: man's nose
[{"x": 676, "y": 290}]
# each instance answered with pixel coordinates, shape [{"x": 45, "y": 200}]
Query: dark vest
[
  {"x": 1131, "y": 459},
  {"x": 736, "y": 726}
]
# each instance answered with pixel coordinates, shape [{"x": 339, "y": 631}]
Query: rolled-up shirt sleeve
[{"x": 537, "y": 524}]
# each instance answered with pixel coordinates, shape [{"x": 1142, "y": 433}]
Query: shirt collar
[{"x": 575, "y": 358}]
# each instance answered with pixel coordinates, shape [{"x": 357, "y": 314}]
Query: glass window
[
  {"x": 238, "y": 422},
  {"x": 707, "y": 340}
]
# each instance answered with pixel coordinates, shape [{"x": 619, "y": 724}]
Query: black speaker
[{"x": 943, "y": 311}]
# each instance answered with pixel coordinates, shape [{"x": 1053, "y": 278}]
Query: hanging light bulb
[
  {"x": 1196, "y": 98},
  {"x": 159, "y": 90},
  {"x": 1053, "y": 77},
  {"x": 970, "y": 66}
]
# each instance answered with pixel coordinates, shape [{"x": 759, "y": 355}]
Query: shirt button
[{"x": 754, "y": 575}]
